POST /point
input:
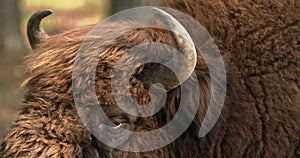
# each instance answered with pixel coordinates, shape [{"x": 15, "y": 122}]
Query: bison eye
[
  {"x": 119, "y": 125},
  {"x": 119, "y": 120},
  {"x": 122, "y": 122},
  {"x": 127, "y": 126}
]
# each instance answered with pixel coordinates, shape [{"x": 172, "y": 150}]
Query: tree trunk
[{"x": 10, "y": 34}]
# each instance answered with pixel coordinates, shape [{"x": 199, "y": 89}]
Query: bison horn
[
  {"x": 184, "y": 43},
  {"x": 35, "y": 32}
]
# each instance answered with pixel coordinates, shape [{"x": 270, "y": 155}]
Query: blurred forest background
[{"x": 14, "y": 45}]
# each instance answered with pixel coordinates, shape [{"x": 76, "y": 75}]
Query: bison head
[{"x": 51, "y": 72}]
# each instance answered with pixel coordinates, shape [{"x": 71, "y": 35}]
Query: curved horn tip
[
  {"x": 42, "y": 13},
  {"x": 35, "y": 32}
]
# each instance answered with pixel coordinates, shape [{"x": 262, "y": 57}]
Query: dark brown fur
[{"x": 260, "y": 42}]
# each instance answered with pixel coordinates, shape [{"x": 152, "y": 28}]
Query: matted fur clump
[{"x": 261, "y": 118}]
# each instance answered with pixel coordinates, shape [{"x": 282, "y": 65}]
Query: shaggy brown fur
[
  {"x": 49, "y": 124},
  {"x": 262, "y": 47},
  {"x": 262, "y": 40}
]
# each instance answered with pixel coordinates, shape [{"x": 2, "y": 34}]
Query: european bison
[{"x": 260, "y": 43}]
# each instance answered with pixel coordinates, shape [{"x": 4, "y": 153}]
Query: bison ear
[{"x": 35, "y": 32}]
